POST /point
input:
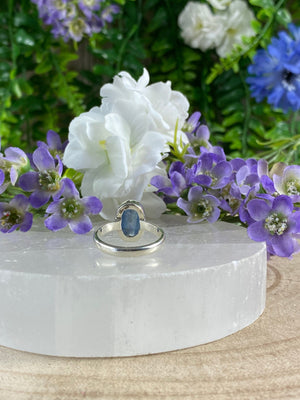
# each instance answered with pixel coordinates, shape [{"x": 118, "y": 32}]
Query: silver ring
[{"x": 130, "y": 224}]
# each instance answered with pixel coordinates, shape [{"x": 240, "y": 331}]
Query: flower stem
[
  {"x": 247, "y": 115},
  {"x": 123, "y": 47},
  {"x": 8, "y": 87},
  {"x": 293, "y": 122},
  {"x": 294, "y": 126}
]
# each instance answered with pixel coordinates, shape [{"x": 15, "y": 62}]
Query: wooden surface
[{"x": 260, "y": 362}]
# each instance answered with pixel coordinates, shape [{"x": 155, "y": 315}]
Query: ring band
[{"x": 130, "y": 224}]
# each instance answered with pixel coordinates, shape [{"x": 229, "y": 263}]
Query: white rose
[
  {"x": 219, "y": 4},
  {"x": 237, "y": 19},
  {"x": 118, "y": 154},
  {"x": 200, "y": 28},
  {"x": 163, "y": 105}
]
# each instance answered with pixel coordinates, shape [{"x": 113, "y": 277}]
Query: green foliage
[
  {"x": 43, "y": 84},
  {"x": 37, "y": 86}
]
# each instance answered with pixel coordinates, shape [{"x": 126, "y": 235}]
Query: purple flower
[
  {"x": 192, "y": 123},
  {"x": 2, "y": 176},
  {"x": 211, "y": 172},
  {"x": 54, "y": 144},
  {"x": 200, "y": 139},
  {"x": 46, "y": 181},
  {"x": 276, "y": 223},
  {"x": 276, "y": 71},
  {"x": 173, "y": 186},
  {"x": 198, "y": 136},
  {"x": 265, "y": 180},
  {"x": 200, "y": 206},
  {"x": 13, "y": 163},
  {"x": 245, "y": 175},
  {"x": 289, "y": 182},
  {"x": 14, "y": 215},
  {"x": 88, "y": 7},
  {"x": 3, "y": 184},
  {"x": 217, "y": 151},
  {"x": 72, "y": 210},
  {"x": 107, "y": 13},
  {"x": 73, "y": 20},
  {"x": 230, "y": 198}
]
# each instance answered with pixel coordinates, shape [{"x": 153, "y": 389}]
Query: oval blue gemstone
[{"x": 130, "y": 223}]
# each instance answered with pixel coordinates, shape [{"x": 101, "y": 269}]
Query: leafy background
[{"x": 45, "y": 82}]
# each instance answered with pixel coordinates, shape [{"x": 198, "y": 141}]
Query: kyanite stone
[{"x": 130, "y": 223}]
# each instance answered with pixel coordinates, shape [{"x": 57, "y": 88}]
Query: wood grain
[{"x": 259, "y": 362}]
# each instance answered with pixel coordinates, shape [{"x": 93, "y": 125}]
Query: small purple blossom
[
  {"x": 289, "y": 182},
  {"x": 73, "y": 20},
  {"x": 13, "y": 163},
  {"x": 173, "y": 185},
  {"x": 3, "y": 184},
  {"x": 14, "y": 215},
  {"x": 198, "y": 136},
  {"x": 54, "y": 144},
  {"x": 230, "y": 198},
  {"x": 211, "y": 172},
  {"x": 107, "y": 13},
  {"x": 2, "y": 177},
  {"x": 72, "y": 210},
  {"x": 192, "y": 123},
  {"x": 264, "y": 176},
  {"x": 46, "y": 181},
  {"x": 276, "y": 223},
  {"x": 200, "y": 206},
  {"x": 245, "y": 175}
]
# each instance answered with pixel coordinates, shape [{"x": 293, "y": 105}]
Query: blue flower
[
  {"x": 276, "y": 71},
  {"x": 72, "y": 210}
]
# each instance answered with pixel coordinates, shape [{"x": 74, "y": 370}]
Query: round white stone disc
[{"x": 60, "y": 295}]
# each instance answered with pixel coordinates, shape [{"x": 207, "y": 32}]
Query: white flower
[
  {"x": 237, "y": 19},
  {"x": 118, "y": 146},
  {"x": 201, "y": 29},
  {"x": 219, "y": 4},
  {"x": 118, "y": 154},
  {"x": 162, "y": 105}
]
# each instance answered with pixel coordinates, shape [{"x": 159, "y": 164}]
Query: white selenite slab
[{"x": 60, "y": 295}]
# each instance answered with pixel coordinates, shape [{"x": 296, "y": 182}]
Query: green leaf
[
  {"x": 262, "y": 3},
  {"x": 161, "y": 45},
  {"x": 230, "y": 97},
  {"x": 256, "y": 126},
  {"x": 283, "y": 17},
  {"x": 4, "y": 71},
  {"x": 233, "y": 119},
  {"x": 256, "y": 25},
  {"x": 44, "y": 67},
  {"x": 232, "y": 107},
  {"x": 24, "y": 38},
  {"x": 22, "y": 19}
]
